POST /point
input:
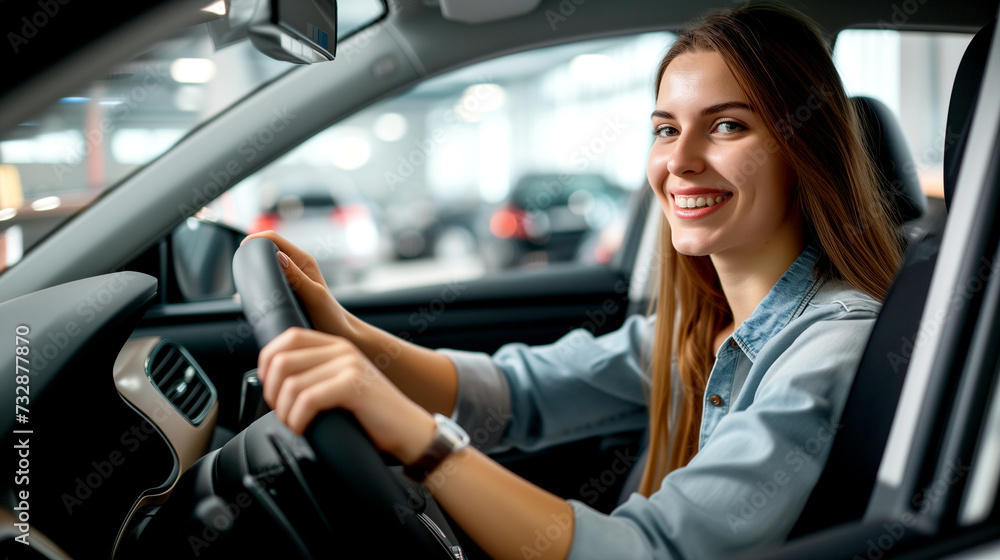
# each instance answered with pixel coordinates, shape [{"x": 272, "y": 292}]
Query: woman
[{"x": 775, "y": 252}]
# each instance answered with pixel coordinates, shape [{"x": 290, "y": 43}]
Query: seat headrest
[
  {"x": 892, "y": 157},
  {"x": 964, "y": 93}
]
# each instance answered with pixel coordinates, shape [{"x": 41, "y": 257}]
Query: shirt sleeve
[
  {"x": 750, "y": 481},
  {"x": 531, "y": 397}
]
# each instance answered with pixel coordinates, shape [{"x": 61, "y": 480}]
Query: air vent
[{"x": 174, "y": 372}]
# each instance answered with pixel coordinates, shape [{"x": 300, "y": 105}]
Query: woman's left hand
[{"x": 305, "y": 372}]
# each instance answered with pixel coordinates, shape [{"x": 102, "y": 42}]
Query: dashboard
[{"x": 104, "y": 422}]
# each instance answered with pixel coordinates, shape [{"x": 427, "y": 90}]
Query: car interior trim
[
  {"x": 642, "y": 283},
  {"x": 639, "y": 206},
  {"x": 964, "y": 414},
  {"x": 980, "y": 494},
  {"x": 482, "y": 11},
  {"x": 227, "y": 307},
  {"x": 411, "y": 55},
  {"x": 188, "y": 441},
  {"x": 961, "y": 227}
]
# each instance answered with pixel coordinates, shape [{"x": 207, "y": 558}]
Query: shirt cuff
[
  {"x": 597, "y": 536},
  {"x": 482, "y": 406}
]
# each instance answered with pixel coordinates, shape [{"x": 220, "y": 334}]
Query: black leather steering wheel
[{"x": 348, "y": 501}]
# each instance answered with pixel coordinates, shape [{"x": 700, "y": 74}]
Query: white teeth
[{"x": 698, "y": 201}]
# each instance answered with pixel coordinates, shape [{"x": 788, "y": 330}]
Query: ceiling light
[
  {"x": 390, "y": 127},
  {"x": 192, "y": 70},
  {"x": 481, "y": 98},
  {"x": 350, "y": 151},
  {"x": 591, "y": 67},
  {"x": 46, "y": 203}
]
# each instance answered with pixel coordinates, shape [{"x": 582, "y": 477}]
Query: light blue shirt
[{"x": 780, "y": 383}]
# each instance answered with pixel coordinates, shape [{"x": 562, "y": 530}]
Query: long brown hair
[{"x": 783, "y": 65}]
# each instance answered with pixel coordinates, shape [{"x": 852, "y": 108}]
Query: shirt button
[
  {"x": 733, "y": 343},
  {"x": 715, "y": 399}
]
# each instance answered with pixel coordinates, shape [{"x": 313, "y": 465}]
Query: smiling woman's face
[{"x": 716, "y": 170}]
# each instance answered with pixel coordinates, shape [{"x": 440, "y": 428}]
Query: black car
[{"x": 548, "y": 217}]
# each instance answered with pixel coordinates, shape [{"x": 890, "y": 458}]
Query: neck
[{"x": 747, "y": 276}]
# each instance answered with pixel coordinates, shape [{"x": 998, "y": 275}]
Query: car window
[
  {"x": 56, "y": 163},
  {"x": 527, "y": 160},
  {"x": 912, "y": 73}
]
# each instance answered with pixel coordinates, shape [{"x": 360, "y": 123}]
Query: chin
[{"x": 691, "y": 248}]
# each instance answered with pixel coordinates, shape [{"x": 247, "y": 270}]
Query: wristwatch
[{"x": 448, "y": 438}]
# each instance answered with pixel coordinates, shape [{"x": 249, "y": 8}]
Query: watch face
[{"x": 451, "y": 431}]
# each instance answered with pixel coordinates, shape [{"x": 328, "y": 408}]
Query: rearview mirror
[{"x": 299, "y": 31}]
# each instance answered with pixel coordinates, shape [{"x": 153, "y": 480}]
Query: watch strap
[{"x": 440, "y": 448}]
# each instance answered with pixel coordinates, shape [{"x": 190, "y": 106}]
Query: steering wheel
[{"x": 338, "y": 494}]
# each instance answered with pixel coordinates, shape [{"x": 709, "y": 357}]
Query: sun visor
[{"x": 482, "y": 11}]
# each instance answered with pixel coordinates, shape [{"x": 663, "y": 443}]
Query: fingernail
[{"x": 283, "y": 259}]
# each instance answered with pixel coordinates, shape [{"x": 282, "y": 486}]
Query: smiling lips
[{"x": 696, "y": 206}]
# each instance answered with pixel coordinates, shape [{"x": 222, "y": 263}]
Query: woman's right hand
[
  {"x": 426, "y": 376},
  {"x": 305, "y": 278}
]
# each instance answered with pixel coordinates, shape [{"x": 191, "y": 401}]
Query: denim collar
[{"x": 785, "y": 301}]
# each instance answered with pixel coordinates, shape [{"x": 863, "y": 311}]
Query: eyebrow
[{"x": 712, "y": 110}]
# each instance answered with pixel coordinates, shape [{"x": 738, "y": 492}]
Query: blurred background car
[
  {"x": 427, "y": 229},
  {"x": 326, "y": 218},
  {"x": 549, "y": 217}
]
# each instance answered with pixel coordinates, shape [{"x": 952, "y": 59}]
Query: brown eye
[{"x": 664, "y": 131}]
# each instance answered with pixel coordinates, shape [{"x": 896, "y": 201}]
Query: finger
[
  {"x": 327, "y": 394},
  {"x": 282, "y": 243},
  {"x": 314, "y": 294},
  {"x": 292, "y": 338},
  {"x": 317, "y": 300},
  {"x": 290, "y": 363},
  {"x": 302, "y": 258},
  {"x": 294, "y": 385}
]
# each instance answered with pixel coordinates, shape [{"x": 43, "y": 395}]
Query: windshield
[{"x": 59, "y": 161}]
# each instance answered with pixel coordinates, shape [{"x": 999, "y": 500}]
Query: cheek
[
  {"x": 771, "y": 191},
  {"x": 740, "y": 168},
  {"x": 758, "y": 170},
  {"x": 656, "y": 169}
]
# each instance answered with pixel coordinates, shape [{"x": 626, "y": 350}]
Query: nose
[{"x": 687, "y": 155}]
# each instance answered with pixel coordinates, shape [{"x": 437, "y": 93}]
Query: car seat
[{"x": 844, "y": 489}]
